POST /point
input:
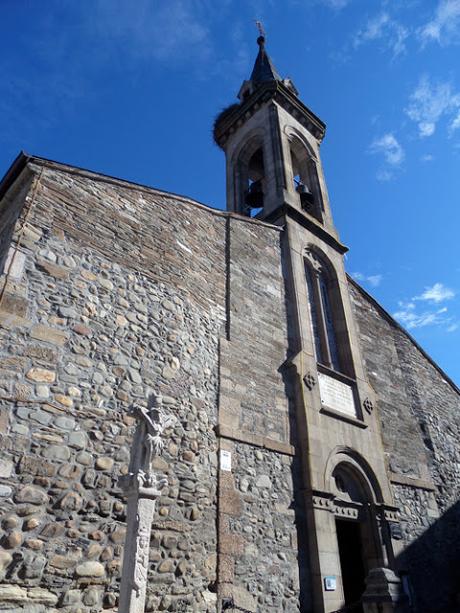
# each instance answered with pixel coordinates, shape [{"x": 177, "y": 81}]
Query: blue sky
[{"x": 131, "y": 88}]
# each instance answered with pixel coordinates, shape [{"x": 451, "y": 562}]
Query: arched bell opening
[
  {"x": 250, "y": 178},
  {"x": 305, "y": 179},
  {"x": 254, "y": 195}
]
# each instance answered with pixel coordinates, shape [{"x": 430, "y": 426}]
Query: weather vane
[{"x": 260, "y": 27}]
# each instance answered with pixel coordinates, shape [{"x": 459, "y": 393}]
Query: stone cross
[{"x": 142, "y": 488}]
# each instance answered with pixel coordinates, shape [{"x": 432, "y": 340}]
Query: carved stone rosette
[
  {"x": 309, "y": 381},
  {"x": 368, "y": 405}
]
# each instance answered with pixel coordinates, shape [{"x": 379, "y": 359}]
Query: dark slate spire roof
[{"x": 263, "y": 68}]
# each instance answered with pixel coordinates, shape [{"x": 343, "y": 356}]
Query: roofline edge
[
  {"x": 24, "y": 158},
  {"x": 13, "y": 172}
]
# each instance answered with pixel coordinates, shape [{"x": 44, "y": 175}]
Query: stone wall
[
  {"x": 113, "y": 304},
  {"x": 113, "y": 291},
  {"x": 420, "y": 414},
  {"x": 259, "y": 517},
  {"x": 9, "y": 212},
  {"x": 253, "y": 396},
  {"x": 116, "y": 295},
  {"x": 264, "y": 532}
]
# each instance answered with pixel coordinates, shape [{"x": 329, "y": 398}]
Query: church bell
[
  {"x": 306, "y": 197},
  {"x": 254, "y": 196}
]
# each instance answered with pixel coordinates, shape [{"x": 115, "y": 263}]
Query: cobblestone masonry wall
[
  {"x": 420, "y": 414},
  {"x": 267, "y": 565},
  {"x": 116, "y": 292},
  {"x": 113, "y": 291},
  {"x": 111, "y": 302}
]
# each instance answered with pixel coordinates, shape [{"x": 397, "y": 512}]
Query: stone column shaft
[{"x": 141, "y": 507}]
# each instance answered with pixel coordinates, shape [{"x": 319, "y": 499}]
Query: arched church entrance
[{"x": 358, "y": 540}]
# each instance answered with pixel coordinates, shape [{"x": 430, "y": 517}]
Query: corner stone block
[
  {"x": 230, "y": 503},
  {"x": 231, "y": 544},
  {"x": 226, "y": 569}
]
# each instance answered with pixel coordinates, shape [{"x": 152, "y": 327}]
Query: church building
[{"x": 311, "y": 461}]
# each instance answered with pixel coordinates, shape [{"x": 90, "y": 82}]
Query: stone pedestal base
[
  {"x": 141, "y": 507},
  {"x": 383, "y": 592}
]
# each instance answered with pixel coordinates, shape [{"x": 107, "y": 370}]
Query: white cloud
[
  {"x": 393, "y": 153},
  {"x": 390, "y": 148},
  {"x": 444, "y": 27},
  {"x": 429, "y": 102},
  {"x": 383, "y": 28},
  {"x": 372, "y": 280},
  {"x": 172, "y": 31},
  {"x": 436, "y": 293},
  {"x": 427, "y": 157},
  {"x": 383, "y": 175},
  {"x": 455, "y": 124},
  {"x": 409, "y": 317}
]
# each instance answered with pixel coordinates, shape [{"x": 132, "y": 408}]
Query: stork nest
[{"x": 221, "y": 117}]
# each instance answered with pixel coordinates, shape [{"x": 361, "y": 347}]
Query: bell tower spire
[
  {"x": 263, "y": 70},
  {"x": 271, "y": 141}
]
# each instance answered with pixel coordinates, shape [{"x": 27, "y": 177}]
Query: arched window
[
  {"x": 305, "y": 177},
  {"x": 326, "y": 315}
]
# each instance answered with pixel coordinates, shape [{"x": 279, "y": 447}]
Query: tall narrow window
[{"x": 322, "y": 313}]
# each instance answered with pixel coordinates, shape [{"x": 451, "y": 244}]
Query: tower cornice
[
  {"x": 307, "y": 222},
  {"x": 232, "y": 119}
]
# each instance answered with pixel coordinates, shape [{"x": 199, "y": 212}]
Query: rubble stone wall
[
  {"x": 112, "y": 291},
  {"x": 118, "y": 291},
  {"x": 420, "y": 414},
  {"x": 116, "y": 297},
  {"x": 267, "y": 564}
]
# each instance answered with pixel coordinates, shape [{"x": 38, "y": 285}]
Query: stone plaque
[{"x": 336, "y": 395}]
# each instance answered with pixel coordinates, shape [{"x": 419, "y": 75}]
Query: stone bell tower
[
  {"x": 271, "y": 141},
  {"x": 274, "y": 174}
]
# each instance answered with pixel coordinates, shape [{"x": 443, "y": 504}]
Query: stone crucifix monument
[{"x": 142, "y": 487}]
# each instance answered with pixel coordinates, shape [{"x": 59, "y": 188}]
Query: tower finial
[
  {"x": 263, "y": 70},
  {"x": 260, "y": 27}
]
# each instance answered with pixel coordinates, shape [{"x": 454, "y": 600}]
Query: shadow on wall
[{"x": 432, "y": 564}]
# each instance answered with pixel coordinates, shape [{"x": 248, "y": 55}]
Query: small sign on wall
[
  {"x": 225, "y": 460},
  {"x": 330, "y": 583}
]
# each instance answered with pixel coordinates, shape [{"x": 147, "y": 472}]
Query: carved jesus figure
[{"x": 148, "y": 442}]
